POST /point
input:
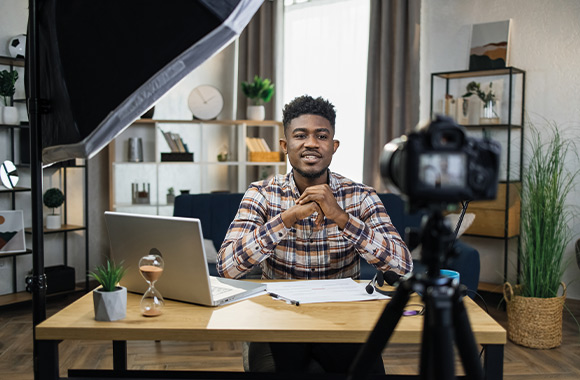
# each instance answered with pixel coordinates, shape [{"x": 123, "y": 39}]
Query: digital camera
[{"x": 440, "y": 164}]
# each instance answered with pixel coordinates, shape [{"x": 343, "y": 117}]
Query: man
[{"x": 310, "y": 224}]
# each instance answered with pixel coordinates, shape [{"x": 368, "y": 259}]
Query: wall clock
[{"x": 205, "y": 102}]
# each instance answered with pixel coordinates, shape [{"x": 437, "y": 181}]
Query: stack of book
[
  {"x": 179, "y": 150},
  {"x": 259, "y": 151}
]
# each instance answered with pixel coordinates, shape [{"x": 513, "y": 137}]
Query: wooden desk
[{"x": 256, "y": 319}]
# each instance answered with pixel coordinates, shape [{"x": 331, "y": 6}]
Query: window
[{"x": 325, "y": 54}]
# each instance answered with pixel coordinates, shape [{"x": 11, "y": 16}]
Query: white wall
[{"x": 545, "y": 40}]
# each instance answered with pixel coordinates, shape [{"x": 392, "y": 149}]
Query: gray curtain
[
  {"x": 260, "y": 53},
  {"x": 392, "y": 99}
]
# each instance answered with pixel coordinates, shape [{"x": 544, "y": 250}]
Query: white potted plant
[
  {"x": 259, "y": 91},
  {"x": 7, "y": 89},
  {"x": 489, "y": 112},
  {"x": 53, "y": 198},
  {"x": 110, "y": 299}
]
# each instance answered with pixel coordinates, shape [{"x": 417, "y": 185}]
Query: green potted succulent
[
  {"x": 53, "y": 198},
  {"x": 489, "y": 113},
  {"x": 110, "y": 299},
  {"x": 259, "y": 91},
  {"x": 9, "y": 113},
  {"x": 534, "y": 307}
]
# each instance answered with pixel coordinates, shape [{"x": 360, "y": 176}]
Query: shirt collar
[{"x": 332, "y": 182}]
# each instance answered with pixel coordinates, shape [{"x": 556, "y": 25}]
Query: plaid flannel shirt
[{"x": 257, "y": 235}]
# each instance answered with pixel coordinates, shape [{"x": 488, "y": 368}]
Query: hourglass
[{"x": 151, "y": 268}]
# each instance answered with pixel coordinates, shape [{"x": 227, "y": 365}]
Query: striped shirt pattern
[{"x": 257, "y": 235}]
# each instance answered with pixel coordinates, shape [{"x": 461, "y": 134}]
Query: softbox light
[{"x": 102, "y": 64}]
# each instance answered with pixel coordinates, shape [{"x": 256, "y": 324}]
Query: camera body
[{"x": 441, "y": 165}]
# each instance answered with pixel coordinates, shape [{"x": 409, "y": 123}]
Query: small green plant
[
  {"x": 53, "y": 198},
  {"x": 7, "y": 85},
  {"x": 108, "y": 275},
  {"x": 259, "y": 91},
  {"x": 474, "y": 88},
  {"x": 171, "y": 191},
  {"x": 546, "y": 218}
]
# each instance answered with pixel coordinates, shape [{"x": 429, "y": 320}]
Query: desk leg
[
  {"x": 120, "y": 355},
  {"x": 493, "y": 362},
  {"x": 46, "y": 360}
]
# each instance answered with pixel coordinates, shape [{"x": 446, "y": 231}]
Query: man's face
[{"x": 309, "y": 145}]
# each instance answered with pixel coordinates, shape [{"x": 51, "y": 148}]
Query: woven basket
[{"x": 534, "y": 322}]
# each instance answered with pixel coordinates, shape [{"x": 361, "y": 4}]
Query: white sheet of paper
[{"x": 316, "y": 291}]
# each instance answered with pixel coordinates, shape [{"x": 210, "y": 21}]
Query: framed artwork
[
  {"x": 12, "y": 231},
  {"x": 489, "y": 45}
]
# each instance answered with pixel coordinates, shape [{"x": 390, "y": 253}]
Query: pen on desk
[{"x": 288, "y": 300}]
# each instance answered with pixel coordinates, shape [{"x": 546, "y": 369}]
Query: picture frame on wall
[
  {"x": 12, "y": 231},
  {"x": 489, "y": 46}
]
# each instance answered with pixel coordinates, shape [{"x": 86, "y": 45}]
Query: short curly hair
[{"x": 307, "y": 105}]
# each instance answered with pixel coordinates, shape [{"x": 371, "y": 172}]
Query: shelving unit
[
  {"x": 205, "y": 174},
  {"x": 22, "y": 164},
  {"x": 510, "y": 133}
]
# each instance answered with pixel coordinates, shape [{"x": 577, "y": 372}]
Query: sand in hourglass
[{"x": 151, "y": 273}]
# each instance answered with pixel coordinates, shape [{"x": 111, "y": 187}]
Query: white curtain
[{"x": 325, "y": 54}]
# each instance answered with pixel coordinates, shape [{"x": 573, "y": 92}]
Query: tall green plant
[{"x": 545, "y": 216}]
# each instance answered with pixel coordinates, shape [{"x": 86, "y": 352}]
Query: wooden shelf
[
  {"x": 478, "y": 73},
  {"x": 17, "y": 189},
  {"x": 20, "y": 297},
  {"x": 63, "y": 228},
  {"x": 11, "y": 254},
  {"x": 18, "y": 62},
  {"x": 490, "y": 287}
]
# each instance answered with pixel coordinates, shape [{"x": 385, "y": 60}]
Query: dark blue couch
[{"x": 216, "y": 211}]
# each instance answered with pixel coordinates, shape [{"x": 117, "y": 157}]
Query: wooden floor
[{"x": 16, "y": 351}]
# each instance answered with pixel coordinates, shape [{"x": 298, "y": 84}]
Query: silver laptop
[{"x": 180, "y": 242}]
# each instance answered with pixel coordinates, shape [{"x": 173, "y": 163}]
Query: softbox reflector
[{"x": 102, "y": 64}]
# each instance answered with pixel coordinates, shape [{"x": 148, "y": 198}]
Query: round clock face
[{"x": 205, "y": 102}]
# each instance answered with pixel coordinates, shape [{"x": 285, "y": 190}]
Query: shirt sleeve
[
  {"x": 376, "y": 239},
  {"x": 251, "y": 237}
]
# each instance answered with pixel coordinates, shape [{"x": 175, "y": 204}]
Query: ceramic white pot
[
  {"x": 53, "y": 221},
  {"x": 10, "y": 115},
  {"x": 256, "y": 113},
  {"x": 110, "y": 306}
]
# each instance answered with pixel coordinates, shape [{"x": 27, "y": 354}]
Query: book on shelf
[
  {"x": 257, "y": 144},
  {"x": 174, "y": 141}
]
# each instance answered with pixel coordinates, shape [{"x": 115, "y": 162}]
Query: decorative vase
[
  {"x": 110, "y": 306},
  {"x": 170, "y": 198},
  {"x": 53, "y": 222},
  {"x": 257, "y": 113},
  {"x": 10, "y": 115},
  {"x": 534, "y": 322},
  {"x": 490, "y": 112}
]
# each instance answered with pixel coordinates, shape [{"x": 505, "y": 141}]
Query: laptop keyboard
[{"x": 217, "y": 290}]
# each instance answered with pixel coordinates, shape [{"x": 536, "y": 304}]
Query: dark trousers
[{"x": 306, "y": 357}]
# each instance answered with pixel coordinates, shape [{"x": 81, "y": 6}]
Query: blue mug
[{"x": 450, "y": 273}]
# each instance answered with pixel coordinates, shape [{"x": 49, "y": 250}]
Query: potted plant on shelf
[
  {"x": 110, "y": 299},
  {"x": 53, "y": 198},
  {"x": 259, "y": 91},
  {"x": 489, "y": 113},
  {"x": 534, "y": 308},
  {"x": 9, "y": 113}
]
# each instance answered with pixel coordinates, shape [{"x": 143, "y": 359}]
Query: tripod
[{"x": 445, "y": 317}]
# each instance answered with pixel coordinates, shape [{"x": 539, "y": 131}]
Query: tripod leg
[
  {"x": 382, "y": 331},
  {"x": 437, "y": 357},
  {"x": 465, "y": 340}
]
